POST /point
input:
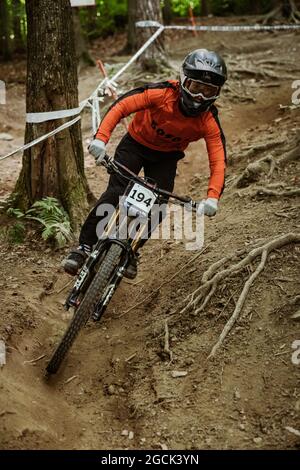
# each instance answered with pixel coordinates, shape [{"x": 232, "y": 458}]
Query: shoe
[
  {"x": 131, "y": 270},
  {"x": 74, "y": 261}
]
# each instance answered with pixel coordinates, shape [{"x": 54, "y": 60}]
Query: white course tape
[
  {"x": 134, "y": 57},
  {"x": 93, "y": 100},
  {"x": 96, "y": 107},
  {"x": 232, "y": 28},
  {"x": 43, "y": 137},
  {"x": 36, "y": 118},
  {"x": 139, "y": 52},
  {"x": 254, "y": 27}
]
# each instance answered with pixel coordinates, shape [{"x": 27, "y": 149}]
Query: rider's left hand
[
  {"x": 208, "y": 207},
  {"x": 97, "y": 148}
]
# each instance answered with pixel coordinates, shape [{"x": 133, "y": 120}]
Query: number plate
[{"x": 142, "y": 198}]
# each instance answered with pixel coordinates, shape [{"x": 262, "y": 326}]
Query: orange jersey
[{"x": 160, "y": 125}]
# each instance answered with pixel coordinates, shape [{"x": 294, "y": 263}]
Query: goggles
[{"x": 199, "y": 89}]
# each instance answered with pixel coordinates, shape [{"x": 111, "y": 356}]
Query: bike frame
[{"x": 129, "y": 245}]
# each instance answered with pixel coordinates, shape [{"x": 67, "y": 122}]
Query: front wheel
[{"x": 86, "y": 308}]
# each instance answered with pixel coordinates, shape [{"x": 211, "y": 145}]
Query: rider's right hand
[
  {"x": 97, "y": 148},
  {"x": 208, "y": 207}
]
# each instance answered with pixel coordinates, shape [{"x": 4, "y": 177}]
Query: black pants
[{"x": 160, "y": 166}]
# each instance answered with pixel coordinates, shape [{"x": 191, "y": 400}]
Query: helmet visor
[{"x": 199, "y": 89}]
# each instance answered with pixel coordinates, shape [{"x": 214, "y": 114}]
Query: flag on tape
[{"x": 83, "y": 3}]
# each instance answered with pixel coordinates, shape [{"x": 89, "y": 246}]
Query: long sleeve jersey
[{"x": 160, "y": 125}]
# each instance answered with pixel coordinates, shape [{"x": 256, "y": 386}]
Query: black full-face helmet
[{"x": 202, "y": 76}]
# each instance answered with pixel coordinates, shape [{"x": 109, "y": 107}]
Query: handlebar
[{"x": 114, "y": 166}]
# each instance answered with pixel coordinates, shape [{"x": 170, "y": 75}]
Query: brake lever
[{"x": 107, "y": 162}]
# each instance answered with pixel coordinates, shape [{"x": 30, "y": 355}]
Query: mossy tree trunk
[
  {"x": 19, "y": 45},
  {"x": 81, "y": 48},
  {"x": 131, "y": 45},
  {"x": 54, "y": 167},
  {"x": 5, "y": 50},
  {"x": 91, "y": 26},
  {"x": 154, "y": 59},
  {"x": 167, "y": 12},
  {"x": 204, "y": 7}
]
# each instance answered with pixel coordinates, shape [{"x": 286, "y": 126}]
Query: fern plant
[
  {"x": 15, "y": 213},
  {"x": 54, "y": 218},
  {"x": 51, "y": 215}
]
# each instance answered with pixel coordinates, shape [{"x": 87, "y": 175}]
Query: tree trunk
[
  {"x": 82, "y": 53},
  {"x": 154, "y": 58},
  {"x": 4, "y": 31},
  {"x": 167, "y": 12},
  {"x": 256, "y": 7},
  {"x": 287, "y": 9},
  {"x": 17, "y": 14},
  {"x": 54, "y": 167},
  {"x": 91, "y": 25},
  {"x": 131, "y": 45},
  {"x": 204, "y": 8}
]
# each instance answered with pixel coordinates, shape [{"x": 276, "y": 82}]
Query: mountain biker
[{"x": 169, "y": 115}]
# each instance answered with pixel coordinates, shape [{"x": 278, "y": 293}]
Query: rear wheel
[{"x": 86, "y": 308}]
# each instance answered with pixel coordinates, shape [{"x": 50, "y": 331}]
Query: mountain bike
[{"x": 104, "y": 269}]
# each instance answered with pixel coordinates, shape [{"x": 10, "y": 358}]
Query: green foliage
[
  {"x": 108, "y": 17},
  {"x": 54, "y": 219},
  {"x": 181, "y": 7},
  {"x": 237, "y": 7},
  {"x": 219, "y": 7},
  {"x": 16, "y": 233},
  {"x": 12, "y": 212},
  {"x": 15, "y": 17}
]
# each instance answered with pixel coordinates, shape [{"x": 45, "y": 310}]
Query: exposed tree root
[
  {"x": 284, "y": 11},
  {"x": 295, "y": 300},
  {"x": 255, "y": 170},
  {"x": 150, "y": 296},
  {"x": 208, "y": 275},
  {"x": 251, "y": 150},
  {"x": 240, "y": 304},
  {"x": 289, "y": 308},
  {"x": 295, "y": 14},
  {"x": 240, "y": 97},
  {"x": 213, "y": 277},
  {"x": 265, "y": 191},
  {"x": 275, "y": 13},
  {"x": 292, "y": 155},
  {"x": 167, "y": 349},
  {"x": 263, "y": 74}
]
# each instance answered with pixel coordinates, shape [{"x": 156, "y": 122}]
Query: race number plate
[{"x": 142, "y": 198}]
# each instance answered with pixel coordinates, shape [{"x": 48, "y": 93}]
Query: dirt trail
[{"x": 116, "y": 378}]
